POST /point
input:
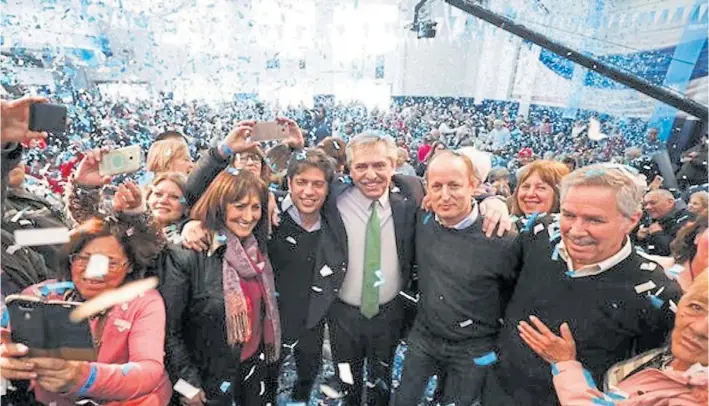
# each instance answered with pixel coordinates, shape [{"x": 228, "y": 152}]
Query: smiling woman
[
  {"x": 221, "y": 304},
  {"x": 538, "y": 188}
]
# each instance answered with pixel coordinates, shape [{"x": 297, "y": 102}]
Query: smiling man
[
  {"x": 582, "y": 270},
  {"x": 292, "y": 251},
  {"x": 364, "y": 260},
  {"x": 463, "y": 282}
]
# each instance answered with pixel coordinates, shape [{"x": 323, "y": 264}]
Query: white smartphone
[
  {"x": 268, "y": 131},
  {"x": 123, "y": 160}
]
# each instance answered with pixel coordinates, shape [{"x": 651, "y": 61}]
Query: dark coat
[{"x": 333, "y": 240}]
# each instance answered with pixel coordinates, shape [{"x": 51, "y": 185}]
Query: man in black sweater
[
  {"x": 462, "y": 279},
  {"x": 582, "y": 270},
  {"x": 292, "y": 251}
]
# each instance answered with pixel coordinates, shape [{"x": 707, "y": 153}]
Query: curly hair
[
  {"x": 683, "y": 248},
  {"x": 142, "y": 242}
]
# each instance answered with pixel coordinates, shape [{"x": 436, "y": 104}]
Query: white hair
[
  {"x": 627, "y": 184},
  {"x": 482, "y": 161},
  {"x": 370, "y": 138}
]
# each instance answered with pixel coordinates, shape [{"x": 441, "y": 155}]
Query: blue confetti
[
  {"x": 427, "y": 218},
  {"x": 570, "y": 274},
  {"x": 555, "y": 254},
  {"x": 554, "y": 370},
  {"x": 617, "y": 396},
  {"x": 589, "y": 378},
  {"x": 58, "y": 288},
  {"x": 221, "y": 238},
  {"x": 126, "y": 368},
  {"x": 232, "y": 171},
  {"x": 604, "y": 402},
  {"x": 5, "y": 318},
  {"x": 530, "y": 222},
  {"x": 655, "y": 301},
  {"x": 554, "y": 236},
  {"x": 183, "y": 201},
  {"x": 225, "y": 386},
  {"x": 487, "y": 359}
]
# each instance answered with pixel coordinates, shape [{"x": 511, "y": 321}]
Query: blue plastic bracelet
[
  {"x": 90, "y": 381},
  {"x": 225, "y": 148}
]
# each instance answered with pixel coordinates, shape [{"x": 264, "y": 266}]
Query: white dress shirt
[
  {"x": 355, "y": 210},
  {"x": 597, "y": 268}
]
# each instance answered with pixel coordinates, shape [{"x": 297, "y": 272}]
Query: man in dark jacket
[
  {"x": 666, "y": 221},
  {"x": 26, "y": 210},
  {"x": 364, "y": 260},
  {"x": 22, "y": 267}
]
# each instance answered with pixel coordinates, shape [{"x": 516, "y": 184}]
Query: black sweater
[
  {"x": 293, "y": 272},
  {"x": 608, "y": 319},
  {"x": 462, "y": 280}
]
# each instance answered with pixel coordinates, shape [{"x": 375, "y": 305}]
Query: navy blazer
[{"x": 405, "y": 197}]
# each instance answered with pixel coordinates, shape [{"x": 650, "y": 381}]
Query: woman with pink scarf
[{"x": 222, "y": 318}]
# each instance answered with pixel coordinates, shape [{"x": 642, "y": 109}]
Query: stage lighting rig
[{"x": 423, "y": 26}]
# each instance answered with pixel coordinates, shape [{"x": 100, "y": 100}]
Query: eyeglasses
[
  {"x": 83, "y": 260},
  {"x": 253, "y": 157}
]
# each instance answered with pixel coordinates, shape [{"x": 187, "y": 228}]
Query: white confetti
[
  {"x": 25, "y": 222},
  {"x": 17, "y": 216},
  {"x": 251, "y": 372},
  {"x": 466, "y": 323},
  {"x": 263, "y": 389},
  {"x": 325, "y": 271},
  {"x": 13, "y": 249},
  {"x": 648, "y": 266},
  {"x": 42, "y": 236},
  {"x": 291, "y": 240},
  {"x": 185, "y": 389},
  {"x": 97, "y": 266},
  {"x": 260, "y": 265},
  {"x": 538, "y": 228},
  {"x": 644, "y": 287},
  {"x": 345, "y": 373},
  {"x": 316, "y": 289},
  {"x": 122, "y": 325},
  {"x": 673, "y": 306}
]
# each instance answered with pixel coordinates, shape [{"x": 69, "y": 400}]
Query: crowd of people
[{"x": 519, "y": 262}]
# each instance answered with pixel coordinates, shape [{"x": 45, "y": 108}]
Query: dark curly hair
[
  {"x": 682, "y": 247},
  {"x": 142, "y": 242}
]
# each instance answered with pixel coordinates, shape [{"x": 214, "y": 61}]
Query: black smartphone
[
  {"x": 45, "y": 328},
  {"x": 48, "y": 117}
]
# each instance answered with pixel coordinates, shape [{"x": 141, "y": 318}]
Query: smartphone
[
  {"x": 122, "y": 160},
  {"x": 268, "y": 131},
  {"x": 45, "y": 328},
  {"x": 47, "y": 117}
]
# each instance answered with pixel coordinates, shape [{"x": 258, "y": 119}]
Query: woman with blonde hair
[
  {"x": 165, "y": 197},
  {"x": 169, "y": 156}
]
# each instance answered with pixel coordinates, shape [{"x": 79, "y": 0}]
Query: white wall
[{"x": 340, "y": 43}]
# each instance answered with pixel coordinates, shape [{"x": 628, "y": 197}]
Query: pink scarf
[{"x": 246, "y": 261}]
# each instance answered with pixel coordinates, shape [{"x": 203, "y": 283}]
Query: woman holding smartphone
[{"x": 127, "y": 338}]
